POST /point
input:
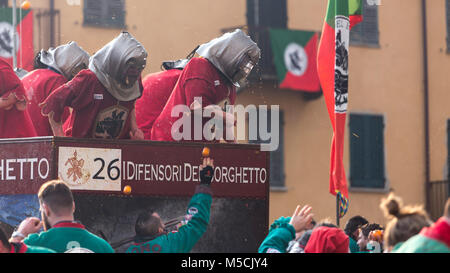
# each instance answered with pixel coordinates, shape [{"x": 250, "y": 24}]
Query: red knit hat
[{"x": 328, "y": 240}]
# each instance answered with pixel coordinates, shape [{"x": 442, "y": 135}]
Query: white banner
[{"x": 90, "y": 169}]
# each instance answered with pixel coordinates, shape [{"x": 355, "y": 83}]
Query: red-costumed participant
[
  {"x": 103, "y": 96},
  {"x": 14, "y": 121},
  {"x": 157, "y": 89},
  {"x": 208, "y": 81},
  {"x": 53, "y": 68}
]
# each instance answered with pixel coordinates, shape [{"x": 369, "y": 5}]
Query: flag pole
[
  {"x": 338, "y": 211},
  {"x": 14, "y": 14}
]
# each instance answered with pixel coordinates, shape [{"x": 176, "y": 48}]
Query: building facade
[{"x": 397, "y": 135}]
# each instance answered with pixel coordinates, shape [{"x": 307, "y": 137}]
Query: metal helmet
[
  {"x": 111, "y": 63},
  {"x": 234, "y": 54},
  {"x": 67, "y": 59}
]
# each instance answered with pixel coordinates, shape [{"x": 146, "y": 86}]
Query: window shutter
[
  {"x": 92, "y": 11},
  {"x": 367, "y": 32},
  {"x": 274, "y": 13},
  {"x": 375, "y": 167},
  {"x": 116, "y": 13},
  {"x": 356, "y": 150},
  {"x": 261, "y": 16},
  {"x": 370, "y": 27},
  {"x": 104, "y": 13},
  {"x": 367, "y": 151},
  {"x": 267, "y": 13}
]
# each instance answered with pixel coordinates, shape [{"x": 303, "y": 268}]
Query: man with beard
[
  {"x": 53, "y": 68},
  {"x": 61, "y": 232},
  {"x": 213, "y": 79},
  {"x": 103, "y": 96},
  {"x": 14, "y": 120}
]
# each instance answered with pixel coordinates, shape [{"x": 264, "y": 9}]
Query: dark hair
[
  {"x": 57, "y": 195},
  {"x": 447, "y": 209},
  {"x": 37, "y": 62},
  {"x": 366, "y": 229},
  {"x": 353, "y": 224},
  {"x": 4, "y": 239},
  {"x": 147, "y": 225}
]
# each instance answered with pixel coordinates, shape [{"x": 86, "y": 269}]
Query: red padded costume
[
  {"x": 39, "y": 84},
  {"x": 157, "y": 89},
  {"x": 198, "y": 79},
  {"x": 13, "y": 123},
  {"x": 96, "y": 113}
]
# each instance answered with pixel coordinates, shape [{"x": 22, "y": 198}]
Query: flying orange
[
  {"x": 127, "y": 190},
  {"x": 205, "y": 152},
  {"x": 26, "y": 5}
]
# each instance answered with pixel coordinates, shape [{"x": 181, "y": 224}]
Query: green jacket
[
  {"x": 354, "y": 247},
  {"x": 280, "y": 234},
  {"x": 422, "y": 244},
  {"x": 69, "y": 236},
  {"x": 188, "y": 235}
]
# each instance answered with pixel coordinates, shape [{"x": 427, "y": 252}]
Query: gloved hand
[{"x": 206, "y": 171}]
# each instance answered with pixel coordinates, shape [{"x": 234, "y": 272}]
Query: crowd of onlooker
[{"x": 408, "y": 230}]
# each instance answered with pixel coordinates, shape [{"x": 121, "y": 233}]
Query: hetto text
[{"x": 24, "y": 169}]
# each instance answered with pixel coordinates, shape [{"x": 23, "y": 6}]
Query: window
[
  {"x": 267, "y": 13},
  {"x": 277, "y": 173},
  {"x": 262, "y": 15},
  {"x": 367, "y": 151},
  {"x": 366, "y": 33},
  {"x": 104, "y": 13}
]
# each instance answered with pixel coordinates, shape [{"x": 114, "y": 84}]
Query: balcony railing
[{"x": 439, "y": 192}]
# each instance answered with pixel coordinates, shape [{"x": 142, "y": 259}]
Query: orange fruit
[
  {"x": 127, "y": 190},
  {"x": 205, "y": 152},
  {"x": 26, "y": 5}
]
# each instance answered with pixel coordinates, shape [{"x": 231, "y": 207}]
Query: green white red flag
[
  {"x": 24, "y": 38},
  {"x": 332, "y": 60},
  {"x": 295, "y": 58}
]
